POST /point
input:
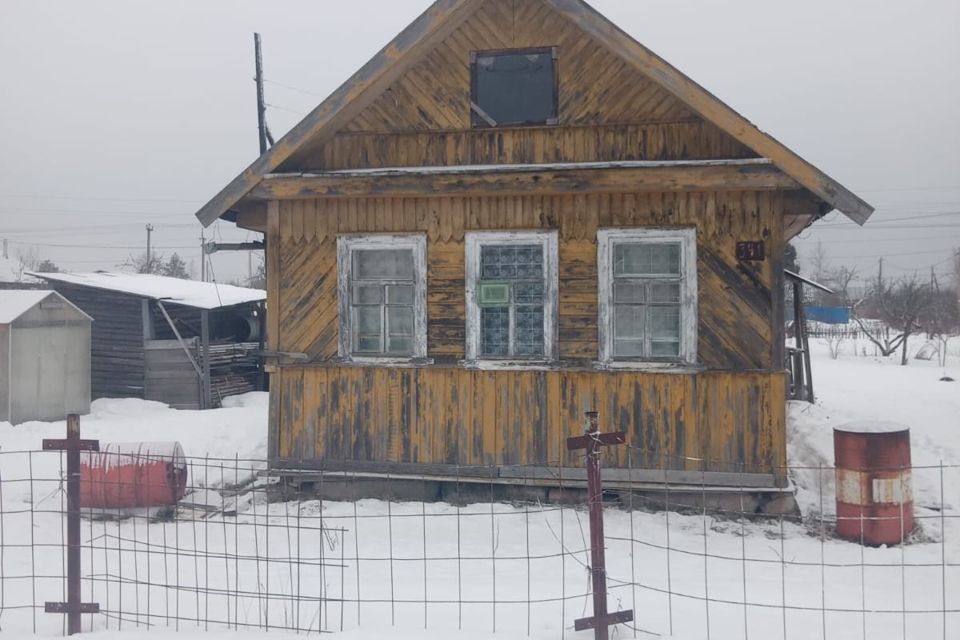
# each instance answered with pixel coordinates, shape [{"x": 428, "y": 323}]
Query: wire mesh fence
[{"x": 248, "y": 549}]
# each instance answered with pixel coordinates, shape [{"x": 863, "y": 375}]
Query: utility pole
[
  {"x": 203, "y": 258},
  {"x": 261, "y": 106},
  {"x": 880, "y": 276},
  {"x": 149, "y": 257}
]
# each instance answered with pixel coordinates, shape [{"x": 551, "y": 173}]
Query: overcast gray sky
[{"x": 122, "y": 112}]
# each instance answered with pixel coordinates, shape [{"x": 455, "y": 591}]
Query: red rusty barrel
[
  {"x": 133, "y": 474},
  {"x": 874, "y": 486}
]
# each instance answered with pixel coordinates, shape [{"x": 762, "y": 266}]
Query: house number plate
[{"x": 751, "y": 251}]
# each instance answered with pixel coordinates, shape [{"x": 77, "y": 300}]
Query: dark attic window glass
[{"x": 517, "y": 87}]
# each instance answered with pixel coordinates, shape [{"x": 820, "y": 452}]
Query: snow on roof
[
  {"x": 16, "y": 302},
  {"x": 816, "y": 285},
  {"x": 12, "y": 271},
  {"x": 190, "y": 293}
]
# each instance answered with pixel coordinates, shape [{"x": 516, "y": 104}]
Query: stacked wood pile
[{"x": 234, "y": 369}]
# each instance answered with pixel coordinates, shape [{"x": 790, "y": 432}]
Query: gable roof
[
  {"x": 189, "y": 293},
  {"x": 16, "y": 302},
  {"x": 444, "y": 16}
]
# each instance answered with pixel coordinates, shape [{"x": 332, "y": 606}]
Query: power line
[
  {"x": 886, "y": 220},
  {"x": 276, "y": 106},
  {"x": 89, "y": 246},
  {"x": 97, "y": 198},
  {"x": 101, "y": 228},
  {"x": 297, "y": 89},
  {"x": 931, "y": 188}
]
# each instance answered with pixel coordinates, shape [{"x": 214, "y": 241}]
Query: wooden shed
[
  {"x": 514, "y": 213},
  {"x": 44, "y": 357},
  {"x": 186, "y": 343}
]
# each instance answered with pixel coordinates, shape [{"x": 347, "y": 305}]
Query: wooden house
[
  {"x": 44, "y": 357},
  {"x": 514, "y": 213},
  {"x": 185, "y": 343}
]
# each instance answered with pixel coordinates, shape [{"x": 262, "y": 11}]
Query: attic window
[{"x": 514, "y": 87}]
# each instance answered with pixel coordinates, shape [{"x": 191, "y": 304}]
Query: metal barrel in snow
[
  {"x": 133, "y": 474},
  {"x": 874, "y": 485}
]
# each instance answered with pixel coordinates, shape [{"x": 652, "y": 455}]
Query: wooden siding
[
  {"x": 738, "y": 302},
  {"x": 608, "y": 110},
  {"x": 451, "y": 416},
  {"x": 169, "y": 376},
  {"x": 117, "y": 358}
]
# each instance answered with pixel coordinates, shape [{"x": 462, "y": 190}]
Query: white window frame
[
  {"x": 689, "y": 311},
  {"x": 474, "y": 240},
  {"x": 346, "y": 245}
]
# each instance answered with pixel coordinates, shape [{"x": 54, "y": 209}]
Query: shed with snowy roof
[
  {"x": 186, "y": 343},
  {"x": 512, "y": 214},
  {"x": 44, "y": 357}
]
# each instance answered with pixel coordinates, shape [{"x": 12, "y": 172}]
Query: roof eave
[{"x": 378, "y": 72}]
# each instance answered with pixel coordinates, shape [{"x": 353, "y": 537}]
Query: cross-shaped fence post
[
  {"x": 73, "y": 445},
  {"x": 592, "y": 441}
]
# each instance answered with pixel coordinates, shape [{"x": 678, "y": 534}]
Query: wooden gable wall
[{"x": 609, "y": 111}]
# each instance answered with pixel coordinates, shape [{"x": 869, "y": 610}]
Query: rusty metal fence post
[
  {"x": 73, "y": 445},
  {"x": 592, "y": 441}
]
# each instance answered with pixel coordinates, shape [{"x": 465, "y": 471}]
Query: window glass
[
  {"x": 511, "y": 296},
  {"x": 646, "y": 298},
  {"x": 383, "y": 264},
  {"x": 382, "y": 302},
  {"x": 513, "y": 88}
]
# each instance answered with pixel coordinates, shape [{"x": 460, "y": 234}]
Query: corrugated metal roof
[{"x": 191, "y": 293}]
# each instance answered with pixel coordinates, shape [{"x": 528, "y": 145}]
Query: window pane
[
  {"x": 400, "y": 321},
  {"x": 514, "y": 88},
  {"x": 383, "y": 264},
  {"x": 628, "y": 322},
  {"x": 495, "y": 331},
  {"x": 400, "y": 345},
  {"x": 628, "y": 348},
  {"x": 665, "y": 322},
  {"x": 528, "y": 292},
  {"x": 508, "y": 262},
  {"x": 665, "y": 349},
  {"x": 400, "y": 294},
  {"x": 528, "y": 333},
  {"x": 665, "y": 292},
  {"x": 368, "y": 320},
  {"x": 368, "y": 344},
  {"x": 628, "y": 292},
  {"x": 646, "y": 258},
  {"x": 368, "y": 294}
]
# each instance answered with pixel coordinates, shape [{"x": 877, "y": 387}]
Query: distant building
[
  {"x": 44, "y": 357},
  {"x": 186, "y": 343}
]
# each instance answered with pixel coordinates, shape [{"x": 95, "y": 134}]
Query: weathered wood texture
[
  {"x": 117, "y": 357},
  {"x": 738, "y": 302},
  {"x": 169, "y": 376},
  {"x": 451, "y": 416},
  {"x": 608, "y": 110},
  {"x": 690, "y": 176}
]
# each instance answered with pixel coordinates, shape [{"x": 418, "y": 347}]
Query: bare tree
[
  {"x": 941, "y": 321},
  {"x": 820, "y": 263},
  {"x": 259, "y": 279},
  {"x": 900, "y": 308},
  {"x": 143, "y": 263},
  {"x": 839, "y": 280}
]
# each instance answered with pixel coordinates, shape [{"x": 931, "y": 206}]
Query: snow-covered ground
[{"x": 788, "y": 562}]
